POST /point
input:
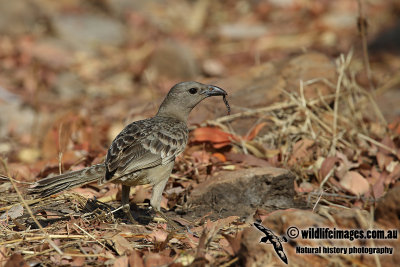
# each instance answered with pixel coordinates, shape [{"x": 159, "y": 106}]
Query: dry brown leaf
[
  {"x": 158, "y": 235},
  {"x": 16, "y": 260},
  {"x": 383, "y": 159},
  {"x": 121, "y": 262},
  {"x": 246, "y": 159},
  {"x": 121, "y": 244},
  {"x": 395, "y": 174},
  {"x": 213, "y": 135},
  {"x": 134, "y": 259},
  {"x": 234, "y": 241},
  {"x": 253, "y": 133},
  {"x": 156, "y": 259},
  {"x": 355, "y": 183},
  {"x": 379, "y": 188},
  {"x": 326, "y": 167},
  {"x": 344, "y": 165},
  {"x": 395, "y": 126},
  {"x": 302, "y": 151}
]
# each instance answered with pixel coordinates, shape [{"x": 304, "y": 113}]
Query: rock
[
  {"x": 175, "y": 61},
  {"x": 87, "y": 31},
  {"x": 241, "y": 192}
]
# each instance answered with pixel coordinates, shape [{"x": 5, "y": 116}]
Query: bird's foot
[{"x": 127, "y": 210}]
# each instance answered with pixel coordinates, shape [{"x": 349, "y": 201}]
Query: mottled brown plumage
[{"x": 145, "y": 151}]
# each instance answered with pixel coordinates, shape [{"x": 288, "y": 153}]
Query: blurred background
[{"x": 73, "y": 73}]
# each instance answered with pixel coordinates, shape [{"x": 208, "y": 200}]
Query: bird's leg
[
  {"x": 155, "y": 202},
  {"x": 125, "y": 202}
]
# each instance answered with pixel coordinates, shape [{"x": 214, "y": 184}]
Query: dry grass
[{"x": 338, "y": 122}]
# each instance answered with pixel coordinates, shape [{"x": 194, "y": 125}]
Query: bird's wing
[{"x": 145, "y": 144}]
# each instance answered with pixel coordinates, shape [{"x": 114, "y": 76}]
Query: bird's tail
[{"x": 56, "y": 184}]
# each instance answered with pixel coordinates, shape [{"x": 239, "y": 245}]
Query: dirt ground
[{"x": 312, "y": 140}]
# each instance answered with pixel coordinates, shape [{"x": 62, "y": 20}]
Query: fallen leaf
[
  {"x": 121, "y": 262},
  {"x": 395, "y": 174},
  {"x": 219, "y": 156},
  {"x": 134, "y": 259},
  {"x": 159, "y": 235},
  {"x": 156, "y": 259},
  {"x": 344, "y": 165},
  {"x": 302, "y": 151},
  {"x": 215, "y": 136},
  {"x": 16, "y": 260},
  {"x": 234, "y": 241},
  {"x": 253, "y": 133},
  {"x": 326, "y": 167},
  {"x": 13, "y": 212},
  {"x": 305, "y": 187},
  {"x": 383, "y": 159},
  {"x": 379, "y": 188},
  {"x": 121, "y": 245},
  {"x": 354, "y": 183}
]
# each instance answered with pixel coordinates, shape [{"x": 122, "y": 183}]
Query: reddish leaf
[
  {"x": 253, "y": 133},
  {"x": 221, "y": 157},
  {"x": 326, "y": 167},
  {"x": 213, "y": 135}
]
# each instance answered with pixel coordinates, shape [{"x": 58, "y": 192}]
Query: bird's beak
[{"x": 214, "y": 91}]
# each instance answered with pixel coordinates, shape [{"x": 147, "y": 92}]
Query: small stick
[{"x": 46, "y": 235}]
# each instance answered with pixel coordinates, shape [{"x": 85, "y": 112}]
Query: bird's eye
[{"x": 192, "y": 91}]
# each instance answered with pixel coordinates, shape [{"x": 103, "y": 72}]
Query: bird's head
[{"x": 184, "y": 96}]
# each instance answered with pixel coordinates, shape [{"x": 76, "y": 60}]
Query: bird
[
  {"x": 143, "y": 152},
  {"x": 274, "y": 240}
]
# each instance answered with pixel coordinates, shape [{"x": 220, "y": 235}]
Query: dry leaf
[
  {"x": 327, "y": 166},
  {"x": 14, "y": 212},
  {"x": 16, "y": 260},
  {"x": 159, "y": 235},
  {"x": 344, "y": 165},
  {"x": 219, "y": 156},
  {"x": 213, "y": 135},
  {"x": 253, "y": 133},
  {"x": 134, "y": 259},
  {"x": 121, "y": 262},
  {"x": 355, "y": 183},
  {"x": 121, "y": 244},
  {"x": 302, "y": 151}
]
